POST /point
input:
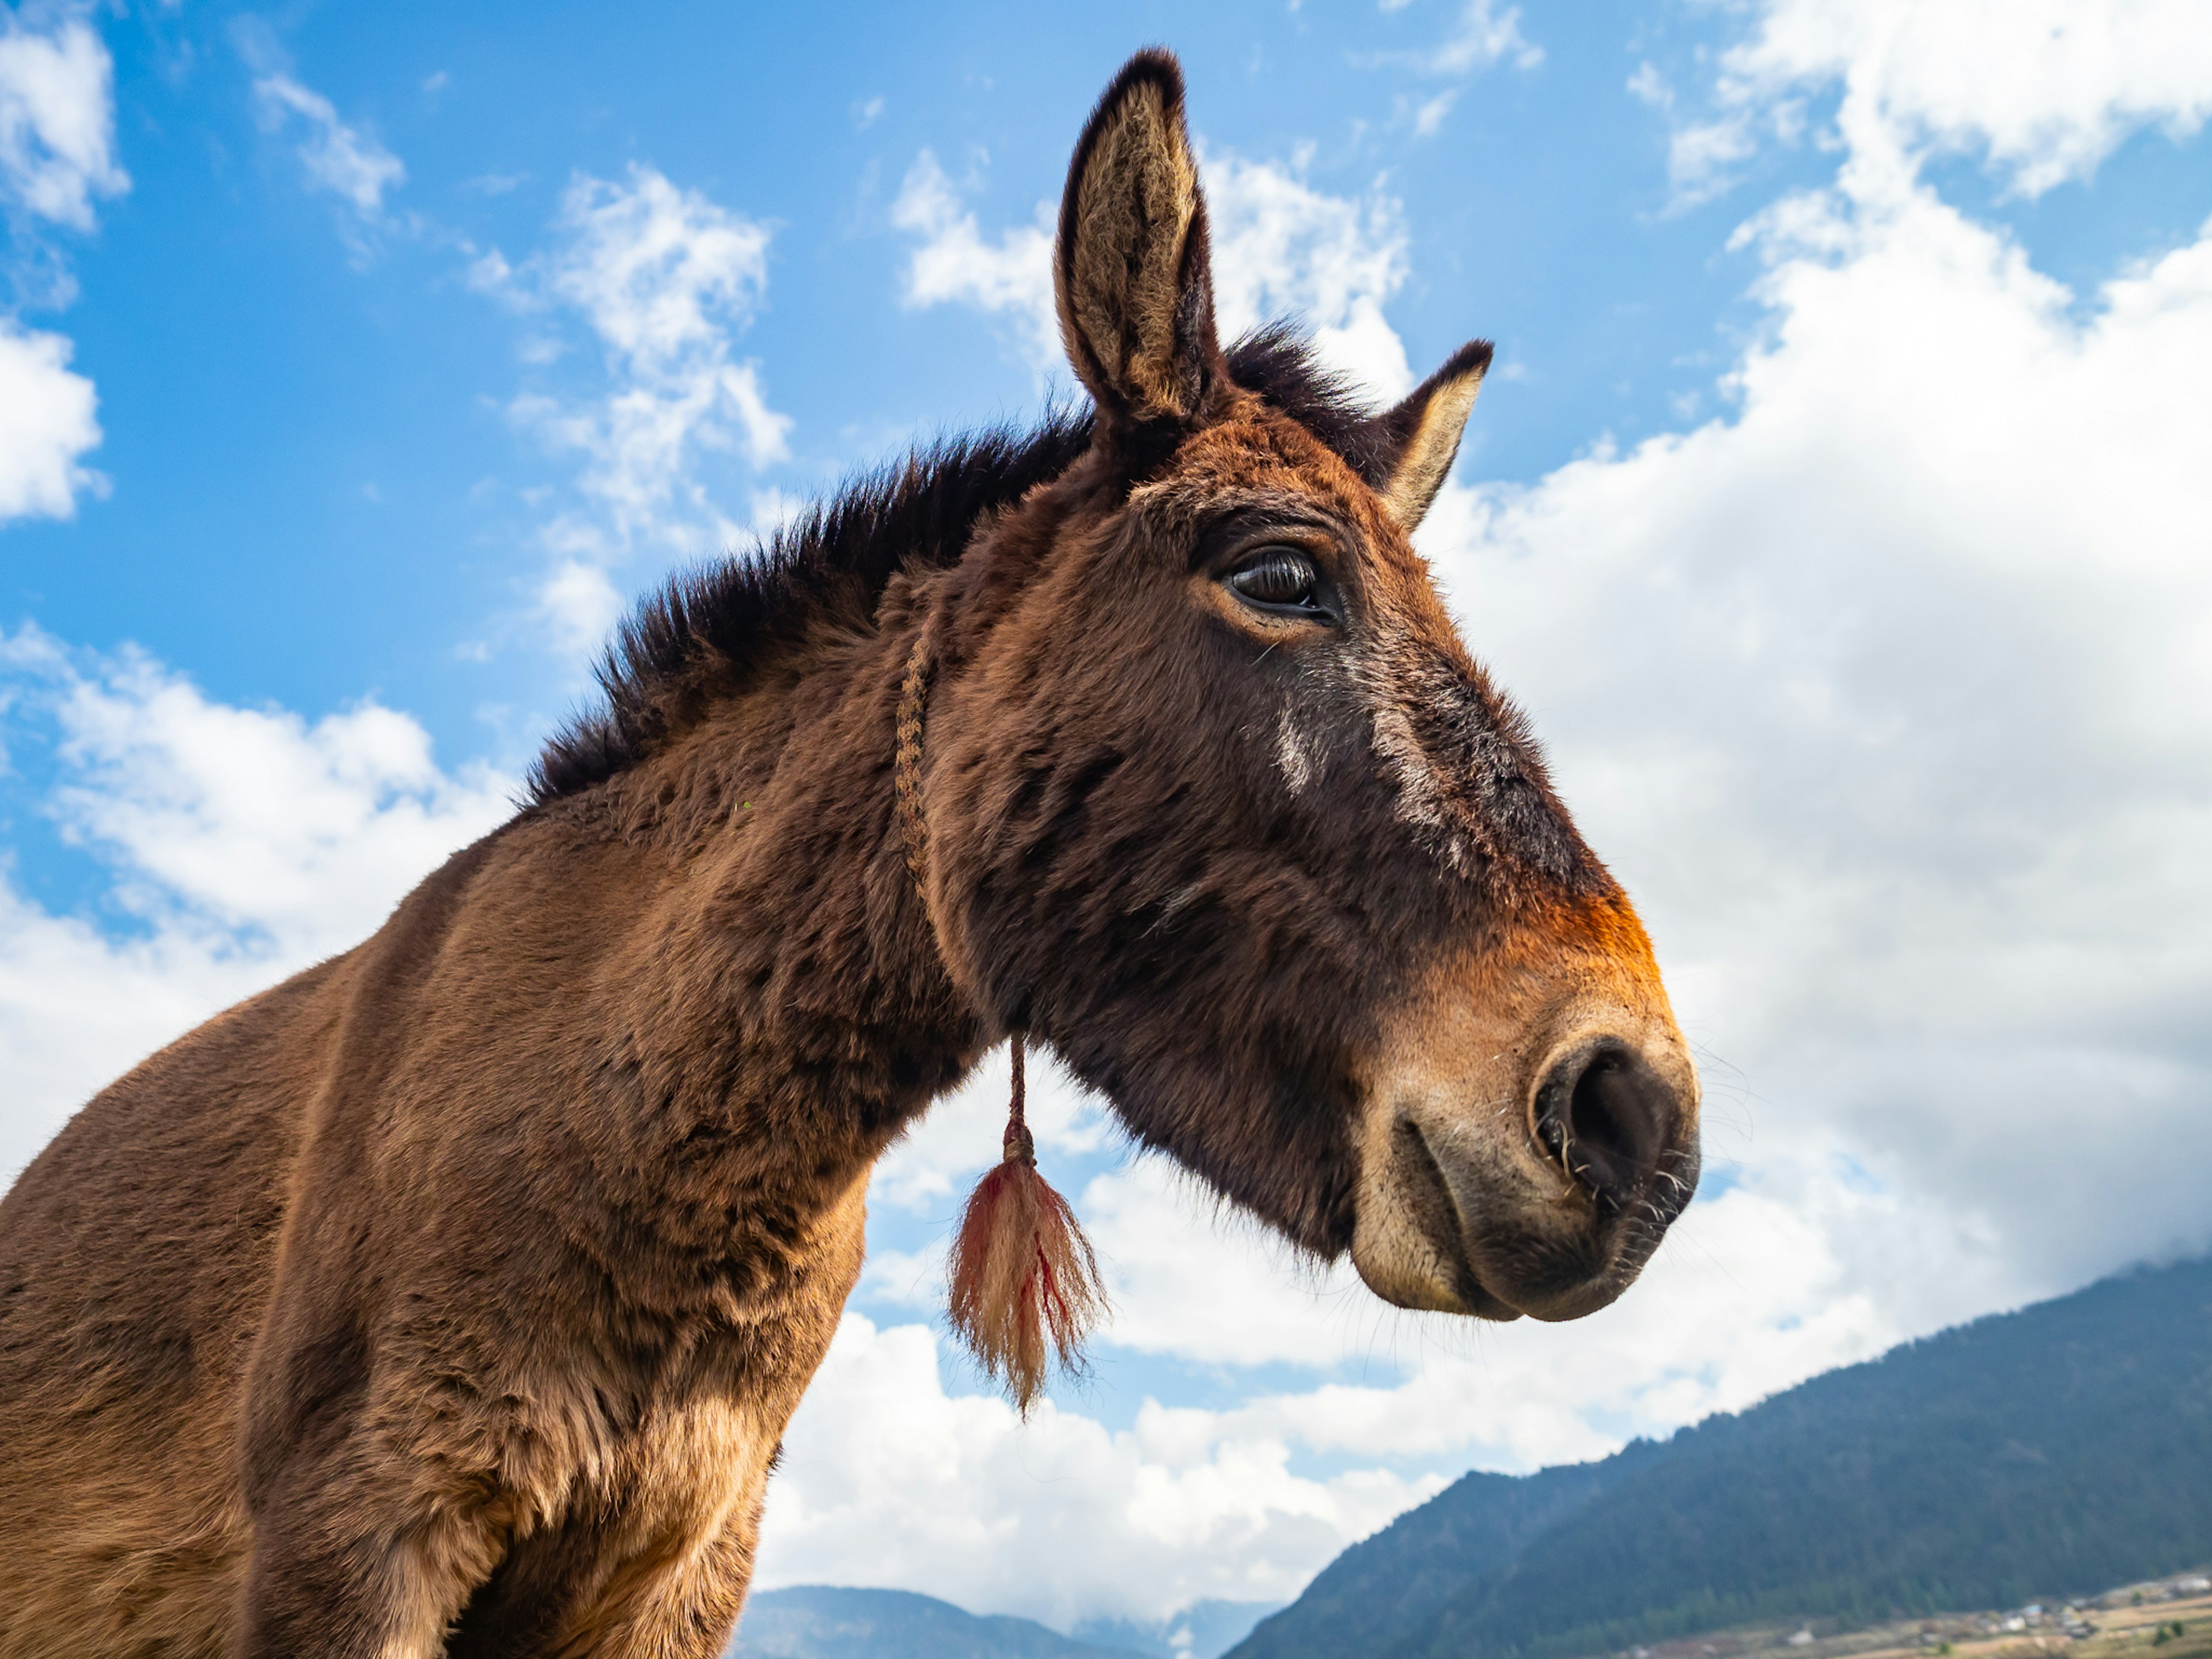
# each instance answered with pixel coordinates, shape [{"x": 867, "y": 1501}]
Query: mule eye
[{"x": 1279, "y": 578}]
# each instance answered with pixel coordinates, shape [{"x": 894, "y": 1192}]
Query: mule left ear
[
  {"x": 1132, "y": 273},
  {"x": 1414, "y": 442}
]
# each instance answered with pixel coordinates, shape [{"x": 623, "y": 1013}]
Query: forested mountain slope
[{"x": 2060, "y": 1448}]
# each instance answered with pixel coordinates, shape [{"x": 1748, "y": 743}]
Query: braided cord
[
  {"x": 906, "y": 770},
  {"x": 1020, "y": 1145},
  {"x": 914, "y": 831}
]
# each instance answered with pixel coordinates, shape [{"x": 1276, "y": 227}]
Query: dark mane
[{"x": 837, "y": 559}]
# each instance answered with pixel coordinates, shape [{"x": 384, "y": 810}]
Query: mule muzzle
[{"x": 1546, "y": 1196}]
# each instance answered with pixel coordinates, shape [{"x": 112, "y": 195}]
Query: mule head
[{"x": 1222, "y": 807}]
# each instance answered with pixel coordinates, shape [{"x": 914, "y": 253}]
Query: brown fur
[
  {"x": 451, "y": 1297},
  {"x": 1132, "y": 226}
]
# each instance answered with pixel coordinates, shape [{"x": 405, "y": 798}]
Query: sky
[{"x": 1839, "y": 507}]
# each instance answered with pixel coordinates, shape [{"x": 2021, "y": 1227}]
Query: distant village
[
  {"x": 2171, "y": 1614},
  {"x": 2115, "y": 1613}
]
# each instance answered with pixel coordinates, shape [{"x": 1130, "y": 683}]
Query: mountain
[
  {"x": 823, "y": 1621},
  {"x": 819, "y": 1621},
  {"x": 1204, "y": 1630},
  {"x": 2057, "y": 1449}
]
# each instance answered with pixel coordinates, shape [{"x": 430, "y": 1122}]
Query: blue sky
[
  {"x": 1833, "y": 505},
  {"x": 315, "y": 492}
]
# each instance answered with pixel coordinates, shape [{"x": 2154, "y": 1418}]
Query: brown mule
[{"x": 452, "y": 1296}]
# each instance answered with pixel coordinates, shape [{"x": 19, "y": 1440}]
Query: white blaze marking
[
  {"x": 1424, "y": 799},
  {"x": 1294, "y": 754}
]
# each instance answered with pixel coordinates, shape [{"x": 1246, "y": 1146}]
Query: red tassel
[{"x": 1025, "y": 1283}]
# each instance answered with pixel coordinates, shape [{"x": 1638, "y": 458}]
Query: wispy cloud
[
  {"x": 1428, "y": 116},
  {"x": 1008, "y": 274},
  {"x": 664, "y": 282},
  {"x": 1480, "y": 36},
  {"x": 339, "y": 160}
]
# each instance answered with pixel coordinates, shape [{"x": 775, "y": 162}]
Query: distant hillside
[
  {"x": 817, "y": 1621},
  {"x": 2051, "y": 1451},
  {"x": 1204, "y": 1630}
]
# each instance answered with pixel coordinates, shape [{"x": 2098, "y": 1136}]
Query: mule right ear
[
  {"x": 1132, "y": 273},
  {"x": 1412, "y": 444}
]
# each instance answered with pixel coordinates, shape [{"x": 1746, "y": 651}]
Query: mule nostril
[{"x": 1607, "y": 1117}]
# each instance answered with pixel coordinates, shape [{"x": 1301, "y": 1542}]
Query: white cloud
[
  {"x": 47, "y": 424},
  {"x": 340, "y": 159},
  {"x": 241, "y": 843},
  {"x": 2044, "y": 89},
  {"x": 1480, "y": 36},
  {"x": 666, "y": 281},
  {"x": 1061, "y": 1520},
  {"x": 1892, "y": 698},
  {"x": 931, "y": 1165},
  {"x": 1752, "y": 1293},
  {"x": 57, "y": 122},
  {"x": 1279, "y": 246},
  {"x": 659, "y": 273},
  {"x": 1751, "y": 1296},
  {"x": 1702, "y": 154},
  {"x": 57, "y": 155},
  {"x": 576, "y": 601},
  {"x": 1194, "y": 1280},
  {"x": 1428, "y": 117},
  {"x": 1722, "y": 1322},
  {"x": 2049, "y": 87},
  {"x": 956, "y": 262}
]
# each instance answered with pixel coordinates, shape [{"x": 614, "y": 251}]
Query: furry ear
[
  {"x": 1414, "y": 442},
  {"x": 1132, "y": 273}
]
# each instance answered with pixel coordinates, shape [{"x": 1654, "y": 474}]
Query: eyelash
[{"x": 1280, "y": 579}]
